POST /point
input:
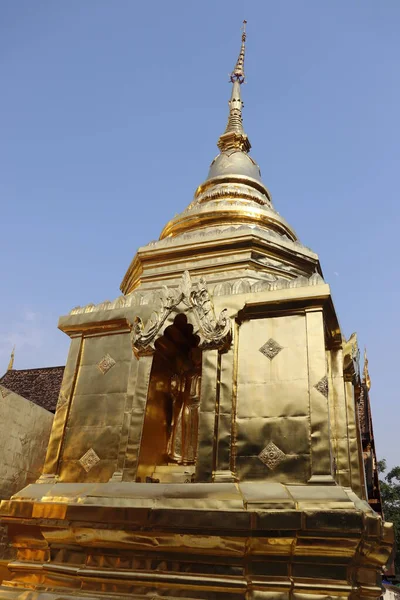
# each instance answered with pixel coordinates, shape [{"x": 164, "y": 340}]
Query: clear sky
[{"x": 109, "y": 116}]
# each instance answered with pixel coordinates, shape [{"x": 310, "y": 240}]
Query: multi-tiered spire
[
  {"x": 234, "y": 136},
  {"x": 233, "y": 193}
]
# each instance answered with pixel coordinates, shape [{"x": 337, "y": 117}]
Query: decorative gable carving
[{"x": 214, "y": 332}]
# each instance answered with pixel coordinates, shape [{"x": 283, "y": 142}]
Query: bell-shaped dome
[{"x": 234, "y": 163}]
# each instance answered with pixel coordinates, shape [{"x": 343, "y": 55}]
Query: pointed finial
[
  {"x": 11, "y": 363},
  {"x": 366, "y": 377},
  {"x": 234, "y": 137},
  {"x": 238, "y": 72}
]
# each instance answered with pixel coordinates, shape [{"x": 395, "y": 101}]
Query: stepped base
[{"x": 227, "y": 541}]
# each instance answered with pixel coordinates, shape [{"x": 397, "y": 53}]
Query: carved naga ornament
[{"x": 213, "y": 332}]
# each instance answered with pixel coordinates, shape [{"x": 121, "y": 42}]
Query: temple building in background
[
  {"x": 28, "y": 399},
  {"x": 206, "y": 442}
]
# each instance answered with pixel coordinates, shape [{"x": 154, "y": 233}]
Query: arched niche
[{"x": 168, "y": 448}]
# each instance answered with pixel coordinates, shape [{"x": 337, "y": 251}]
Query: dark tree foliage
[{"x": 390, "y": 492}]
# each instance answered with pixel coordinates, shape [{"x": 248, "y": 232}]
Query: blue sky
[{"x": 109, "y": 117}]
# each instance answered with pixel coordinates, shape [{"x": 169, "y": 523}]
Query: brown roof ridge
[
  {"x": 31, "y": 369},
  {"x": 38, "y": 368}
]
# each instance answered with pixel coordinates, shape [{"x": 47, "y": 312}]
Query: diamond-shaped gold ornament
[
  {"x": 323, "y": 386},
  {"x": 106, "y": 363},
  {"x": 89, "y": 460},
  {"x": 271, "y": 455},
  {"x": 271, "y": 348}
]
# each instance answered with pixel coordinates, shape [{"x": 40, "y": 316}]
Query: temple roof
[{"x": 41, "y": 386}]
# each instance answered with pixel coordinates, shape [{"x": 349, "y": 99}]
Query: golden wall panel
[
  {"x": 103, "y": 440},
  {"x": 96, "y": 346},
  {"x": 291, "y": 433},
  {"x": 273, "y": 398},
  {"x": 91, "y": 380},
  {"x": 290, "y": 364},
  {"x": 273, "y": 401},
  {"x": 96, "y": 410},
  {"x": 94, "y": 418}
]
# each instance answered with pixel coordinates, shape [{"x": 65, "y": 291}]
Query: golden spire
[
  {"x": 11, "y": 363},
  {"x": 238, "y": 72},
  {"x": 234, "y": 136},
  {"x": 366, "y": 377}
]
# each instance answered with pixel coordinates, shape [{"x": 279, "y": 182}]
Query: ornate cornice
[{"x": 225, "y": 288}]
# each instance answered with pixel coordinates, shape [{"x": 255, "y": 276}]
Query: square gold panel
[
  {"x": 261, "y": 342},
  {"x": 270, "y": 399},
  {"x": 106, "y": 363},
  {"x": 109, "y": 410},
  {"x": 291, "y": 433},
  {"x": 95, "y": 348},
  {"x": 79, "y": 439}
]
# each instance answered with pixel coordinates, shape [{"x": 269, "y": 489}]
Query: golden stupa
[{"x": 206, "y": 443}]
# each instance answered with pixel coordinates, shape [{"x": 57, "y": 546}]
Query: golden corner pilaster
[
  {"x": 50, "y": 468},
  {"x": 223, "y": 418},
  {"x": 126, "y": 423},
  {"x": 318, "y": 388},
  {"x": 338, "y": 417},
  {"x": 355, "y": 445},
  {"x": 352, "y": 387},
  {"x": 209, "y": 399},
  {"x": 136, "y": 420}
]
